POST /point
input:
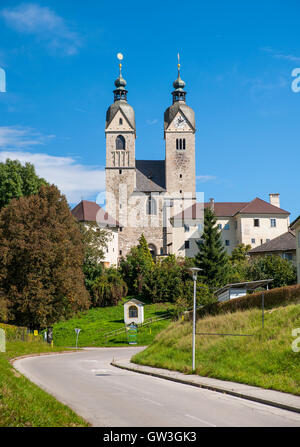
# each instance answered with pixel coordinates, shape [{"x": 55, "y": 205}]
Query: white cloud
[
  {"x": 45, "y": 24},
  {"x": 151, "y": 122},
  {"x": 279, "y": 55},
  {"x": 12, "y": 137},
  {"x": 74, "y": 180},
  {"x": 204, "y": 178}
]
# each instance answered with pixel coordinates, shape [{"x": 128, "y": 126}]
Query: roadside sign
[
  {"x": 132, "y": 334},
  {"x": 35, "y": 333},
  {"x": 77, "y": 330}
]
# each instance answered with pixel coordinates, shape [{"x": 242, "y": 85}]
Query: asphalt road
[{"x": 111, "y": 397}]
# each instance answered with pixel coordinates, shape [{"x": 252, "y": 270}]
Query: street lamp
[{"x": 194, "y": 271}]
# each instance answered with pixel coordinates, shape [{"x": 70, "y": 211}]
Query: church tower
[
  {"x": 179, "y": 134},
  {"x": 120, "y": 151}
]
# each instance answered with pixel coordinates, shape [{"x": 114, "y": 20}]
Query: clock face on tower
[{"x": 180, "y": 122}]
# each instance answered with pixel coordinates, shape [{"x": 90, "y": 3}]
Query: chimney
[
  {"x": 275, "y": 199},
  {"x": 212, "y": 204}
]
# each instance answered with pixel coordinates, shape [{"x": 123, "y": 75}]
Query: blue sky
[{"x": 237, "y": 60}]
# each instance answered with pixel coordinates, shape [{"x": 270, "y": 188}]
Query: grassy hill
[
  {"x": 265, "y": 360},
  {"x": 98, "y": 321}
]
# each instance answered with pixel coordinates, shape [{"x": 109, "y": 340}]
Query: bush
[
  {"x": 109, "y": 288},
  {"x": 137, "y": 266},
  {"x": 282, "y": 271},
  {"x": 14, "y": 333}
]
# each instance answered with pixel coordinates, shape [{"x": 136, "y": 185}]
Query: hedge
[
  {"x": 272, "y": 298},
  {"x": 13, "y": 333}
]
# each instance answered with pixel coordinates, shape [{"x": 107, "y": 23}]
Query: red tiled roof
[
  {"x": 229, "y": 209},
  {"x": 87, "y": 211},
  {"x": 259, "y": 206}
]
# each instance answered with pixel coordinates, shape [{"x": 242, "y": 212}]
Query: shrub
[
  {"x": 13, "y": 333},
  {"x": 109, "y": 288},
  {"x": 282, "y": 271}
]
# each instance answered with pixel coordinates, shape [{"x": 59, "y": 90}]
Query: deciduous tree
[{"x": 41, "y": 258}]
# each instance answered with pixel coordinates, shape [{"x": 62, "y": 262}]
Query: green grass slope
[
  {"x": 98, "y": 321},
  {"x": 265, "y": 360},
  {"x": 23, "y": 404}
]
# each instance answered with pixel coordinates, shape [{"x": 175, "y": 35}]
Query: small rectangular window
[
  {"x": 120, "y": 171},
  {"x": 219, "y": 226},
  {"x": 187, "y": 244},
  {"x": 186, "y": 228},
  {"x": 120, "y": 252},
  {"x": 227, "y": 243},
  {"x": 121, "y": 228},
  {"x": 256, "y": 222},
  {"x": 252, "y": 241},
  {"x": 273, "y": 223},
  {"x": 226, "y": 226}
]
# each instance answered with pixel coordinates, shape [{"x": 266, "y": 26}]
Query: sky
[{"x": 237, "y": 59}]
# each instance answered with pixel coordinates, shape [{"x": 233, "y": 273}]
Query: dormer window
[{"x": 120, "y": 142}]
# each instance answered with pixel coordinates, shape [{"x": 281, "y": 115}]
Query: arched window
[
  {"x": 133, "y": 312},
  {"x": 151, "y": 206},
  {"x": 152, "y": 250},
  {"x": 120, "y": 142}
]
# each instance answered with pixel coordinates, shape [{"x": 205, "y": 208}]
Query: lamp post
[{"x": 194, "y": 271}]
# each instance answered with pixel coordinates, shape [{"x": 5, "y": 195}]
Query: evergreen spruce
[{"x": 212, "y": 257}]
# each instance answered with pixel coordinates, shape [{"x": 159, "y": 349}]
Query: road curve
[{"x": 110, "y": 397}]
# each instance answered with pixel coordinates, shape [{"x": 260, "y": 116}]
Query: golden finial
[
  {"x": 120, "y": 57},
  {"x": 178, "y": 56}
]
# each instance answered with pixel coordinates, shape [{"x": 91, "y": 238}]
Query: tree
[
  {"x": 272, "y": 267},
  {"x": 211, "y": 257},
  {"x": 94, "y": 241},
  {"x": 17, "y": 181},
  {"x": 41, "y": 258},
  {"x": 240, "y": 253},
  {"x": 136, "y": 266},
  {"x": 109, "y": 288}
]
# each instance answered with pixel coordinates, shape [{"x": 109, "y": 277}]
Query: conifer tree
[{"x": 211, "y": 257}]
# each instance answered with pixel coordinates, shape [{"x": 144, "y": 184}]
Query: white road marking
[
  {"x": 152, "y": 401},
  {"x": 201, "y": 420}
]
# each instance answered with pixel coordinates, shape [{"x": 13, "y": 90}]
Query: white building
[
  {"x": 296, "y": 227},
  {"x": 133, "y": 312},
  {"x": 252, "y": 223}
]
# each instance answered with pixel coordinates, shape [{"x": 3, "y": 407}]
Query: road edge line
[{"x": 211, "y": 388}]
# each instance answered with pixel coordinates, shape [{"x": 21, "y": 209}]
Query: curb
[
  {"x": 210, "y": 388},
  {"x": 37, "y": 354}
]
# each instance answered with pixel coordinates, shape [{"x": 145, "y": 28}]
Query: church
[
  {"x": 158, "y": 197},
  {"x": 142, "y": 195}
]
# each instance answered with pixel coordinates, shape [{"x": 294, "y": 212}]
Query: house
[
  {"x": 236, "y": 290},
  {"x": 283, "y": 245},
  {"x": 90, "y": 212},
  {"x": 250, "y": 223},
  {"x": 296, "y": 227},
  {"x": 133, "y": 312}
]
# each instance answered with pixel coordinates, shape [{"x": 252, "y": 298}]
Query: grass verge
[
  {"x": 265, "y": 360},
  {"x": 94, "y": 323},
  {"x": 23, "y": 404}
]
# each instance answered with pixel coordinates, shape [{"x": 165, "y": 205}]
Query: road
[{"x": 112, "y": 397}]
